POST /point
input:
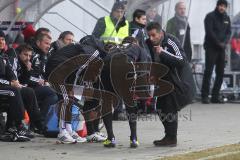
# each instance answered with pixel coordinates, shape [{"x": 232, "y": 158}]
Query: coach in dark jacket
[
  {"x": 45, "y": 94},
  {"x": 218, "y": 32},
  {"x": 8, "y": 82},
  {"x": 24, "y": 97},
  {"x": 175, "y": 60}
]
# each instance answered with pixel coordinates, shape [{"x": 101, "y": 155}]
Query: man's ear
[
  {"x": 136, "y": 19},
  {"x": 38, "y": 43}
]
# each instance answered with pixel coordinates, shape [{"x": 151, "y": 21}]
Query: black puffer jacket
[{"x": 218, "y": 30}]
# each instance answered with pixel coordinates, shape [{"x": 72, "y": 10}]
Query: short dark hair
[
  {"x": 138, "y": 13},
  {"x": 154, "y": 25},
  {"x": 24, "y": 48},
  {"x": 220, "y": 2},
  {"x": 64, "y": 34},
  {"x": 41, "y": 36},
  {"x": 40, "y": 30},
  {"x": 130, "y": 40}
]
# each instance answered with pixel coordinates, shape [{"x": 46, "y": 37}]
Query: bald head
[{"x": 180, "y": 9}]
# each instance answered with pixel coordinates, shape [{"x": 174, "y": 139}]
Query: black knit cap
[
  {"x": 220, "y": 2},
  {"x": 2, "y": 34},
  {"x": 118, "y": 5}
]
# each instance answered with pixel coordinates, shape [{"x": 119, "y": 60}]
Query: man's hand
[
  {"x": 16, "y": 84},
  {"x": 41, "y": 82},
  {"x": 158, "y": 49},
  {"x": 46, "y": 83}
]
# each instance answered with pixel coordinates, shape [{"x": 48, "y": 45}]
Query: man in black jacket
[
  {"x": 45, "y": 95},
  {"x": 9, "y": 82},
  {"x": 64, "y": 39},
  {"x": 218, "y": 32},
  {"x": 175, "y": 59},
  {"x": 24, "y": 97},
  {"x": 137, "y": 28}
]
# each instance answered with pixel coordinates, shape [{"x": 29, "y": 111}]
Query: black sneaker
[
  {"x": 166, "y": 142},
  {"x": 134, "y": 143},
  {"x": 109, "y": 143},
  {"x": 11, "y": 135},
  {"x": 217, "y": 100},
  {"x": 205, "y": 100},
  {"x": 25, "y": 132}
]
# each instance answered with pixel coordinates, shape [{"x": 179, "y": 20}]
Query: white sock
[
  {"x": 62, "y": 130},
  {"x": 62, "y": 125},
  {"x": 69, "y": 127}
]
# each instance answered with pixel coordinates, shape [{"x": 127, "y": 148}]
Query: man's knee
[{"x": 27, "y": 91}]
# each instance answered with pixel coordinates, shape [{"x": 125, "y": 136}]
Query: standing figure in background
[
  {"x": 137, "y": 29},
  {"x": 153, "y": 16},
  {"x": 218, "y": 31},
  {"x": 113, "y": 28},
  {"x": 179, "y": 27},
  {"x": 64, "y": 39}
]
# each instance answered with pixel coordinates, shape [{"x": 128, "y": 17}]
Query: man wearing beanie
[
  {"x": 113, "y": 28},
  {"x": 218, "y": 32}
]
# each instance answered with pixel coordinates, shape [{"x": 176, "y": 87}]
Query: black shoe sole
[
  {"x": 110, "y": 146},
  {"x": 168, "y": 145},
  {"x": 215, "y": 102},
  {"x": 133, "y": 146}
]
